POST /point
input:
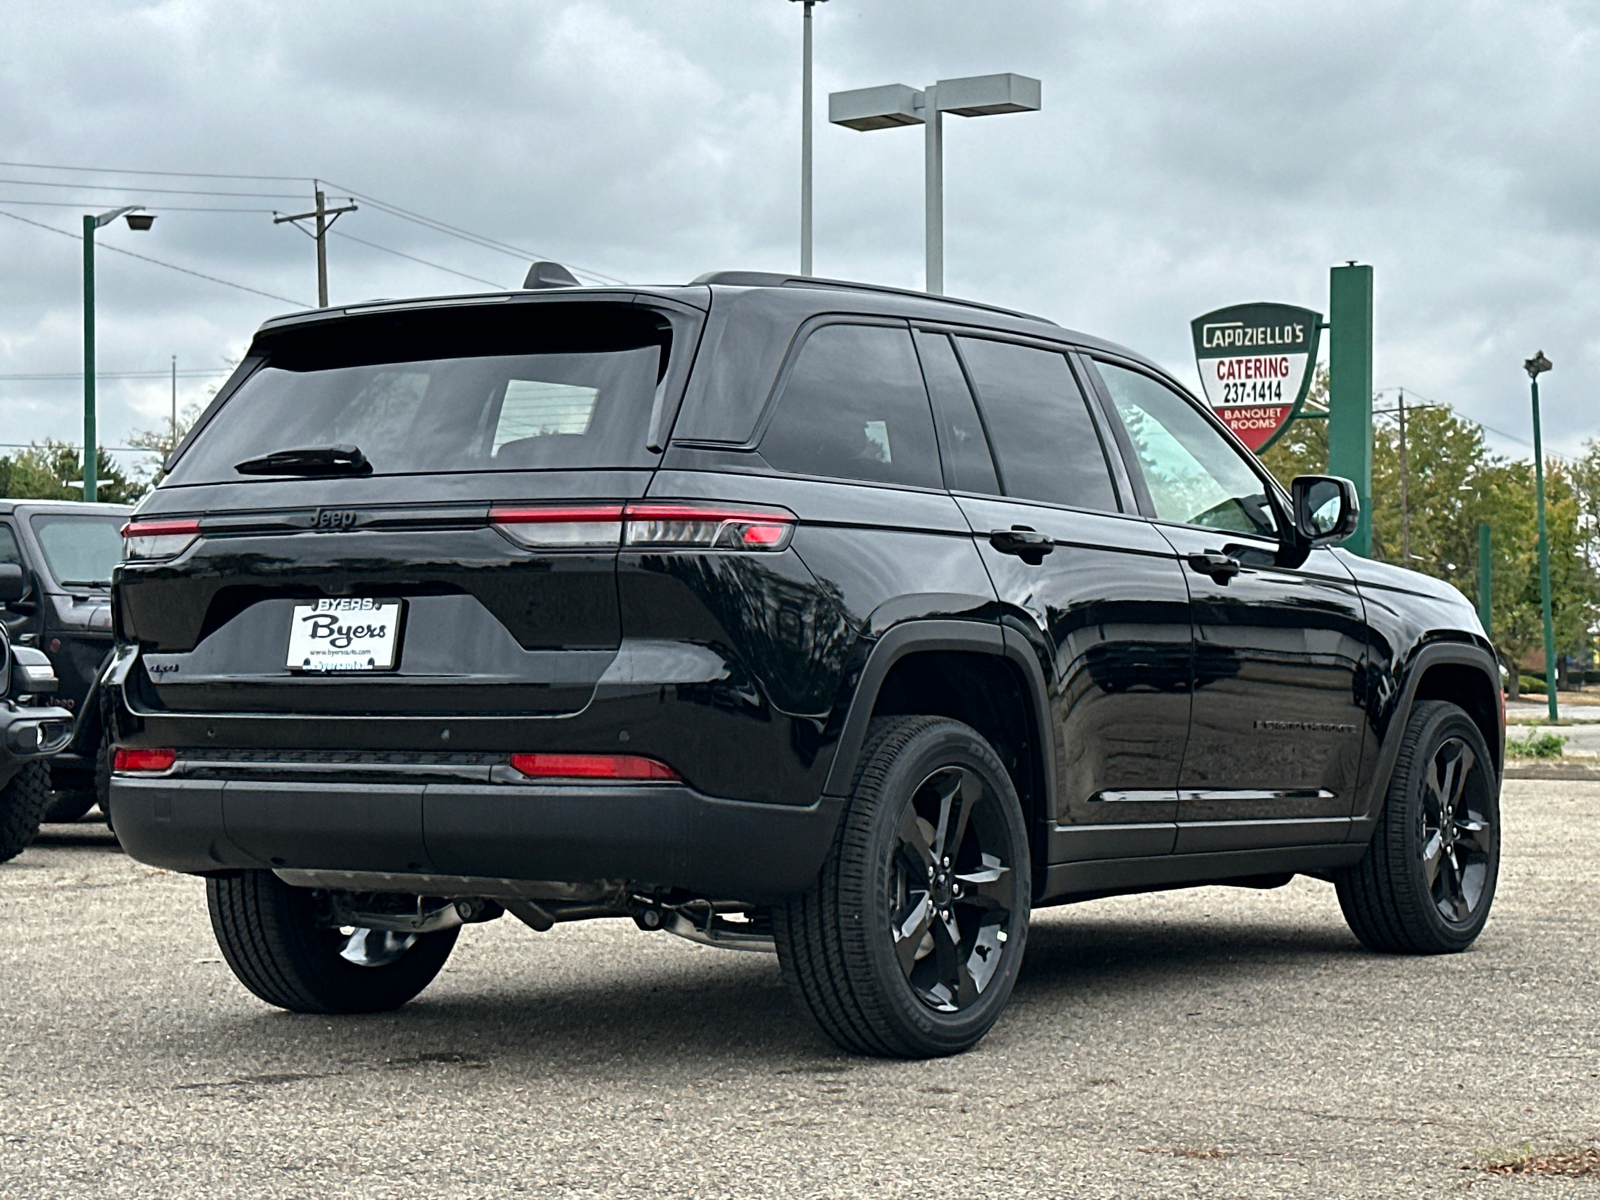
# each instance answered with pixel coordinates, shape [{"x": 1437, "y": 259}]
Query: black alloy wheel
[
  {"x": 1428, "y": 879},
  {"x": 908, "y": 944},
  {"x": 949, "y": 897},
  {"x": 1457, "y": 835}
]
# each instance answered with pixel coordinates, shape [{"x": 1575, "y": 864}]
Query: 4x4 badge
[{"x": 335, "y": 519}]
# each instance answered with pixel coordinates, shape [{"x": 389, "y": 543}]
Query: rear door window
[
  {"x": 854, "y": 407},
  {"x": 520, "y": 386},
  {"x": 1045, "y": 442}
]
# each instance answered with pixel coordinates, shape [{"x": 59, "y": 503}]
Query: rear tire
[
  {"x": 66, "y": 807},
  {"x": 1428, "y": 879},
  {"x": 272, "y": 937},
  {"x": 22, "y": 806},
  {"x": 908, "y": 944}
]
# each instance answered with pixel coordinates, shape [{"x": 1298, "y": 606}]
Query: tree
[
  {"x": 160, "y": 443},
  {"x": 53, "y": 470}
]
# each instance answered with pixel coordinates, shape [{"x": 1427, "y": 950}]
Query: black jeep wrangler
[
  {"x": 775, "y": 613},
  {"x": 66, "y": 551},
  {"x": 31, "y": 729}
]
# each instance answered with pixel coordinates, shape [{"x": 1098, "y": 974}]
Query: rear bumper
[{"x": 653, "y": 835}]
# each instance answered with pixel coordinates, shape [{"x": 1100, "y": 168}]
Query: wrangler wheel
[
  {"x": 1428, "y": 878},
  {"x": 909, "y": 942},
  {"x": 281, "y": 948},
  {"x": 23, "y": 801}
]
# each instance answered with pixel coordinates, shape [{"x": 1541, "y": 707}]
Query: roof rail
[{"x": 777, "y": 279}]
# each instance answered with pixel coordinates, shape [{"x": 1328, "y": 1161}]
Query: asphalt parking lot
[{"x": 1212, "y": 1042}]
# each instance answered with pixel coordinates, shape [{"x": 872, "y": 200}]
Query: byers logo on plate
[
  {"x": 1255, "y": 364},
  {"x": 345, "y": 633}
]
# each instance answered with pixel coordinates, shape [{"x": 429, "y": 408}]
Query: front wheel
[
  {"x": 282, "y": 949},
  {"x": 1428, "y": 878},
  {"x": 908, "y": 944}
]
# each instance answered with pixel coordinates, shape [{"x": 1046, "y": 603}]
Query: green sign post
[{"x": 1350, "y": 390}]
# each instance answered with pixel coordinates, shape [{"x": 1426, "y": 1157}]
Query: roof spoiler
[{"x": 549, "y": 275}]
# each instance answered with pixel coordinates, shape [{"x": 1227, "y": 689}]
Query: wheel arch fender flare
[
  {"x": 1466, "y": 654},
  {"x": 921, "y": 636}
]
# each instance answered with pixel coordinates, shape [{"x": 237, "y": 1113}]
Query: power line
[
  {"x": 117, "y": 187},
  {"x": 146, "y": 258},
  {"x": 479, "y": 239},
  {"x": 175, "y": 174},
  {"x": 160, "y": 208},
  {"x": 186, "y": 373},
  {"x": 400, "y": 253}
]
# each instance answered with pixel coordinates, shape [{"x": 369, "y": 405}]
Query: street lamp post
[
  {"x": 805, "y": 142},
  {"x": 866, "y": 109},
  {"x": 137, "y": 219},
  {"x": 1536, "y": 366}
]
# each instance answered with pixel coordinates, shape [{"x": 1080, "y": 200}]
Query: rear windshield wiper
[{"x": 315, "y": 460}]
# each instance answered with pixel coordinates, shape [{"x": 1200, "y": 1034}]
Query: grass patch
[
  {"x": 1543, "y": 745},
  {"x": 1528, "y": 1161}
]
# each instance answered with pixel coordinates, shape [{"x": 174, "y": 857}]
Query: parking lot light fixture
[
  {"x": 867, "y": 109},
  {"x": 138, "y": 219},
  {"x": 1535, "y": 367}
]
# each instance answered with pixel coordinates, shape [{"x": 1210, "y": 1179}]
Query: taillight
[
  {"x": 561, "y": 527},
  {"x": 689, "y": 526},
  {"x": 141, "y": 759},
  {"x": 144, "y": 540},
  {"x": 625, "y": 767}
]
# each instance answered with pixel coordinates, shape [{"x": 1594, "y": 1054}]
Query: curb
[{"x": 1551, "y": 770}]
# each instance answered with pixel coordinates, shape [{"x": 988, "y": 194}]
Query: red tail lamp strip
[
  {"x": 689, "y": 525},
  {"x": 628, "y": 767},
  {"x": 132, "y": 759},
  {"x": 158, "y": 539}
]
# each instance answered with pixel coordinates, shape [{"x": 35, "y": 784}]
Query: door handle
[
  {"x": 1221, "y": 567},
  {"x": 1027, "y": 544}
]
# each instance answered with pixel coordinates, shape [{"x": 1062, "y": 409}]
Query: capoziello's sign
[{"x": 1255, "y": 364}]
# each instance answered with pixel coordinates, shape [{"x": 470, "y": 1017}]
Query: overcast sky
[{"x": 1187, "y": 156}]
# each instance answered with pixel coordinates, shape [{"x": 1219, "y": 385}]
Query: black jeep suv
[{"x": 772, "y": 612}]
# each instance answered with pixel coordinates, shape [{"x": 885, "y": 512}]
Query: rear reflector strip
[
  {"x": 645, "y": 526},
  {"x": 561, "y": 527},
  {"x": 625, "y": 767},
  {"x": 139, "y": 759},
  {"x": 157, "y": 539}
]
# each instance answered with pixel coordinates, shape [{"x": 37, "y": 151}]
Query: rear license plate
[{"x": 345, "y": 634}]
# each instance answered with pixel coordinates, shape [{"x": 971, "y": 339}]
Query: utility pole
[
  {"x": 324, "y": 218},
  {"x": 174, "y": 434},
  {"x": 1405, "y": 489}
]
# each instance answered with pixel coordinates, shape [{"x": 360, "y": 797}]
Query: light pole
[
  {"x": 896, "y": 104},
  {"x": 137, "y": 219},
  {"x": 1536, "y": 366},
  {"x": 805, "y": 142}
]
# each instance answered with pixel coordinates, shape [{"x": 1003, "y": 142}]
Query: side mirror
[
  {"x": 1326, "y": 508},
  {"x": 13, "y": 583}
]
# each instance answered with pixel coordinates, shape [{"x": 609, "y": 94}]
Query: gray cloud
[{"x": 1188, "y": 156}]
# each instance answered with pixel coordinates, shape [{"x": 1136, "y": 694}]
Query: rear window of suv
[{"x": 512, "y": 387}]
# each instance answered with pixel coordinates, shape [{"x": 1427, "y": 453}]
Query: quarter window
[
  {"x": 1194, "y": 476},
  {"x": 962, "y": 444},
  {"x": 8, "y": 546},
  {"x": 1038, "y": 421},
  {"x": 854, "y": 407}
]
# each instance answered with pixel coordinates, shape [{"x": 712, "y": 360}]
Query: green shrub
[
  {"x": 1535, "y": 745},
  {"x": 1530, "y": 683}
]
